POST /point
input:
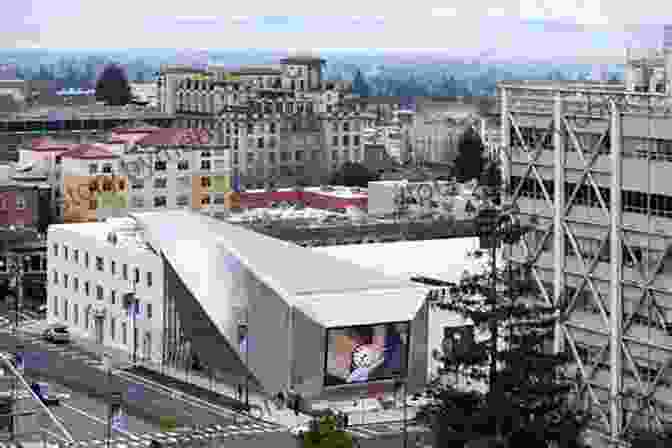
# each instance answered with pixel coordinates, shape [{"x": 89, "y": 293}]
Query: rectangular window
[
  {"x": 182, "y": 201},
  {"x": 250, "y": 157},
  {"x": 65, "y": 310},
  {"x": 55, "y": 250},
  {"x": 183, "y": 165},
  {"x": 75, "y": 284},
  {"x": 113, "y": 325},
  {"x": 160, "y": 182},
  {"x": 124, "y": 271},
  {"x": 298, "y": 155},
  {"x": 334, "y": 140},
  {"x": 260, "y": 142},
  {"x": 136, "y": 275},
  {"x": 75, "y": 313},
  {"x": 124, "y": 333},
  {"x": 113, "y": 267},
  {"x": 271, "y": 157},
  {"x": 65, "y": 280},
  {"x": 100, "y": 264},
  {"x": 20, "y": 203},
  {"x": 87, "y": 288},
  {"x": 86, "y": 260},
  {"x": 107, "y": 168},
  {"x": 160, "y": 165},
  {"x": 346, "y": 140},
  {"x": 205, "y": 165},
  {"x": 100, "y": 293},
  {"x": 93, "y": 168},
  {"x": 138, "y": 184},
  {"x": 160, "y": 201},
  {"x": 75, "y": 255},
  {"x": 355, "y": 140},
  {"x": 334, "y": 155},
  {"x": 113, "y": 296},
  {"x": 55, "y": 306},
  {"x": 65, "y": 253},
  {"x": 55, "y": 278},
  {"x": 149, "y": 311},
  {"x": 149, "y": 279}
]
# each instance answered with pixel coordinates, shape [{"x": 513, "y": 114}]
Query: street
[{"x": 69, "y": 369}]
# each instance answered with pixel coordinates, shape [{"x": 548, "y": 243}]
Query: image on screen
[{"x": 366, "y": 353}]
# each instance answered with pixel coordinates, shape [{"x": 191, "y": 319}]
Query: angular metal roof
[{"x": 333, "y": 292}]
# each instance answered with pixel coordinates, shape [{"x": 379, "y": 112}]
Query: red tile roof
[
  {"x": 47, "y": 144},
  {"x": 139, "y": 130},
  {"x": 126, "y": 138},
  {"x": 176, "y": 137},
  {"x": 89, "y": 151}
]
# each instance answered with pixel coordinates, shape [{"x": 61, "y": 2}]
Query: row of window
[
  {"x": 19, "y": 203},
  {"x": 106, "y": 168},
  {"x": 590, "y": 247},
  {"x": 100, "y": 264},
  {"x": 345, "y": 140},
  {"x": 32, "y": 263},
  {"x": 100, "y": 291},
  {"x": 71, "y": 314},
  {"x": 180, "y": 200},
  {"x": 631, "y": 201}
]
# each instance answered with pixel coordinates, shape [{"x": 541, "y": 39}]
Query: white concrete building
[{"x": 91, "y": 266}]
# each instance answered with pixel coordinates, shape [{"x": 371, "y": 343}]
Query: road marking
[{"x": 96, "y": 419}]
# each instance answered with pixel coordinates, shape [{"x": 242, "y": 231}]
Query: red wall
[
  {"x": 312, "y": 199},
  {"x": 9, "y": 215}
]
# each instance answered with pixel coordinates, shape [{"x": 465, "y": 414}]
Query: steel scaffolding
[{"x": 544, "y": 176}]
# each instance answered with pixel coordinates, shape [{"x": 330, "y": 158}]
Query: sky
[{"x": 597, "y": 30}]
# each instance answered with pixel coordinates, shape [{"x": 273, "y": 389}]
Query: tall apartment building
[
  {"x": 585, "y": 163},
  {"x": 282, "y": 123}
]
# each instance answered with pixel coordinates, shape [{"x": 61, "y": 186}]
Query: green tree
[
  {"x": 359, "y": 85},
  {"x": 469, "y": 163},
  {"x": 527, "y": 398},
  {"x": 112, "y": 86},
  {"x": 325, "y": 433},
  {"x": 353, "y": 174}
]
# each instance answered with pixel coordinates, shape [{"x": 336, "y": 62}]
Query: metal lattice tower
[{"x": 579, "y": 166}]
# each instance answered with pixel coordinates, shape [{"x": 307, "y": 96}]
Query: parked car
[{"x": 57, "y": 334}]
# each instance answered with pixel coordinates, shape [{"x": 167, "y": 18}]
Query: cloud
[
  {"x": 444, "y": 12},
  {"x": 196, "y": 19}
]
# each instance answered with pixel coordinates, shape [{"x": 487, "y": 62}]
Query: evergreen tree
[
  {"x": 112, "y": 86},
  {"x": 469, "y": 163},
  {"x": 359, "y": 85},
  {"x": 527, "y": 401}
]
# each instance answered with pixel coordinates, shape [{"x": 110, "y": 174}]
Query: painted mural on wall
[
  {"x": 85, "y": 197},
  {"x": 437, "y": 197}
]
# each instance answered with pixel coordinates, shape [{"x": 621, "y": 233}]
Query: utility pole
[{"x": 17, "y": 279}]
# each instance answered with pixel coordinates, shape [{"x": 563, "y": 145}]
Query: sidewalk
[{"x": 222, "y": 390}]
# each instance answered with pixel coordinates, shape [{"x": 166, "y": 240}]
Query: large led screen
[{"x": 366, "y": 353}]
